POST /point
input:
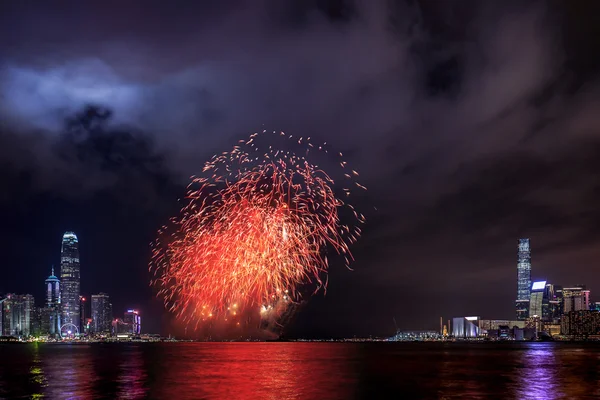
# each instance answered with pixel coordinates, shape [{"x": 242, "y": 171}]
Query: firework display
[{"x": 257, "y": 225}]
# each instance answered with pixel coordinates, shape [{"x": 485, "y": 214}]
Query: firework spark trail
[{"x": 255, "y": 228}]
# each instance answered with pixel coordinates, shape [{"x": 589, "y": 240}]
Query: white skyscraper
[{"x": 70, "y": 284}]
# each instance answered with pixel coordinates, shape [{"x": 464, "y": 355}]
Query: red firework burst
[{"x": 255, "y": 228}]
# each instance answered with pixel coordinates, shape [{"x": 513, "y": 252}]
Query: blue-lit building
[
  {"x": 523, "y": 279},
  {"x": 52, "y": 312},
  {"x": 552, "y": 304},
  {"x": 536, "y": 301},
  {"x": 70, "y": 285},
  {"x": 465, "y": 327},
  {"x": 134, "y": 322}
]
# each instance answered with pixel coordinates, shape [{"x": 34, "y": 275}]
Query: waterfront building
[
  {"x": 493, "y": 324},
  {"x": 119, "y": 327},
  {"x": 559, "y": 306},
  {"x": 36, "y": 321},
  {"x": 504, "y": 332},
  {"x": 133, "y": 321},
  {"x": 87, "y": 326},
  {"x": 534, "y": 322},
  {"x": 523, "y": 278},
  {"x": 580, "y": 324},
  {"x": 552, "y": 329},
  {"x": 414, "y": 336},
  {"x": 465, "y": 327},
  {"x": 522, "y": 309},
  {"x": 595, "y": 306},
  {"x": 82, "y": 314},
  {"x": 41, "y": 318},
  {"x": 101, "y": 313},
  {"x": 70, "y": 276},
  {"x": 576, "y": 299},
  {"x": 519, "y": 333},
  {"x": 538, "y": 290},
  {"x": 549, "y": 304},
  {"x": 17, "y": 314},
  {"x": 52, "y": 305}
]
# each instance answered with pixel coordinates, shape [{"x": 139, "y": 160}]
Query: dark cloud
[{"x": 471, "y": 123}]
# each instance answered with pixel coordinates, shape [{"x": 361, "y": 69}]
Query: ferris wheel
[{"x": 69, "y": 330}]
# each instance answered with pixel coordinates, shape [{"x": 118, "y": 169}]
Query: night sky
[{"x": 472, "y": 123}]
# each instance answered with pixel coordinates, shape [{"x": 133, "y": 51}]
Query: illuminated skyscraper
[
  {"x": 18, "y": 312},
  {"x": 537, "y": 299},
  {"x": 52, "y": 311},
  {"x": 551, "y": 306},
  {"x": 557, "y": 304},
  {"x": 523, "y": 279},
  {"x": 576, "y": 299},
  {"x": 133, "y": 321},
  {"x": 82, "y": 305},
  {"x": 70, "y": 283},
  {"x": 523, "y": 270},
  {"x": 101, "y": 313}
]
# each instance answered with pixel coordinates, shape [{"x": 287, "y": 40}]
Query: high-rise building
[
  {"x": 555, "y": 311},
  {"x": 52, "y": 311},
  {"x": 53, "y": 290},
  {"x": 119, "y": 327},
  {"x": 537, "y": 299},
  {"x": 576, "y": 299},
  {"x": 581, "y": 323},
  {"x": 87, "y": 326},
  {"x": 549, "y": 304},
  {"x": 70, "y": 283},
  {"x": 523, "y": 279},
  {"x": 101, "y": 313},
  {"x": 523, "y": 270},
  {"x": 18, "y": 312},
  {"x": 133, "y": 321},
  {"x": 522, "y": 309},
  {"x": 40, "y": 321},
  {"x": 558, "y": 304},
  {"x": 82, "y": 314}
]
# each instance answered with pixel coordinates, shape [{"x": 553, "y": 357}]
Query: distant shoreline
[{"x": 459, "y": 342}]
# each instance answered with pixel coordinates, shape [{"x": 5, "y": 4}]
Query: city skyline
[
  {"x": 472, "y": 124},
  {"x": 20, "y": 316},
  {"x": 273, "y": 198},
  {"x": 546, "y": 302},
  {"x": 544, "y": 311}
]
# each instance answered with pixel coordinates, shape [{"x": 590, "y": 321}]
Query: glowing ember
[{"x": 256, "y": 227}]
